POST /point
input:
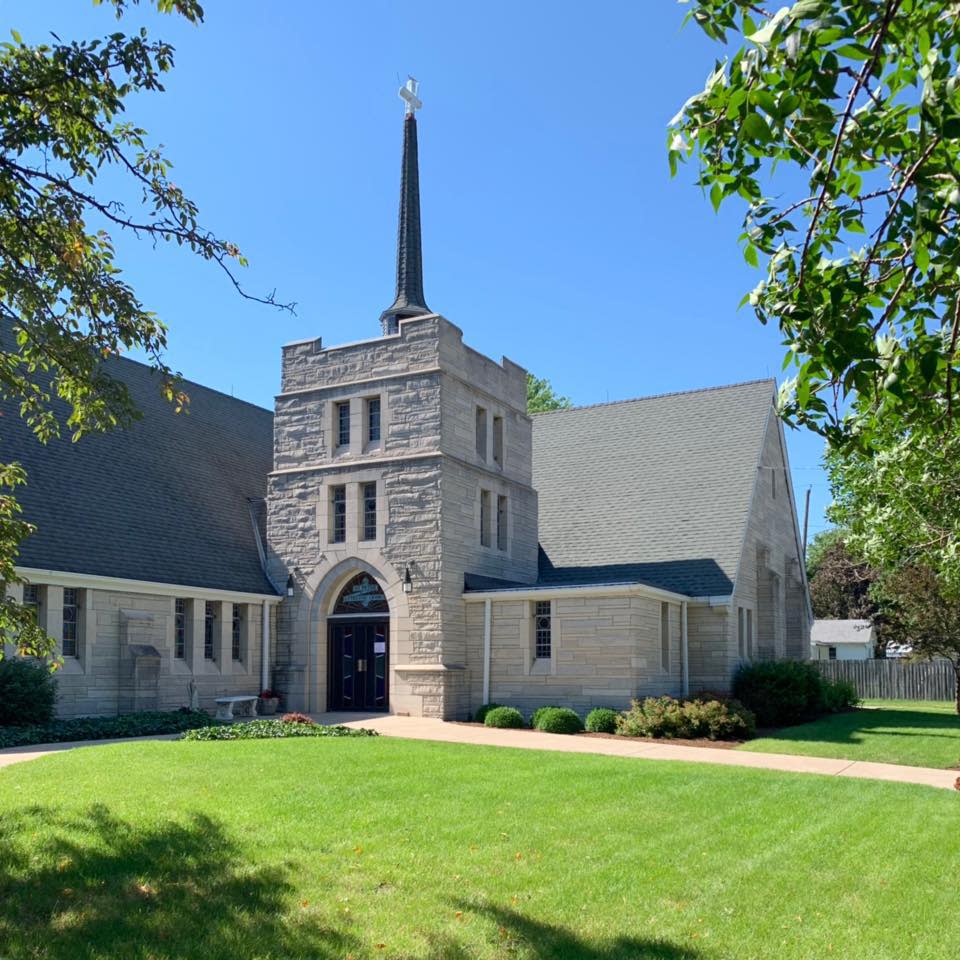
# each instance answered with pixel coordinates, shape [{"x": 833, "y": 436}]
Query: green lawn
[
  {"x": 920, "y": 733},
  {"x": 388, "y": 848}
]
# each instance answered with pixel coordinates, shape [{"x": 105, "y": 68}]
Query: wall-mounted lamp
[
  {"x": 291, "y": 583},
  {"x": 407, "y": 582}
]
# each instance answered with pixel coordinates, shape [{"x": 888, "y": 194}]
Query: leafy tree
[
  {"x": 856, "y": 103},
  {"x": 839, "y": 583},
  {"x": 541, "y": 396},
  {"x": 900, "y": 506},
  {"x": 63, "y": 304},
  {"x": 918, "y": 611},
  {"x": 819, "y": 546}
]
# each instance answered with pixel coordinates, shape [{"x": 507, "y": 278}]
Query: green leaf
[
  {"x": 756, "y": 128},
  {"x": 716, "y": 196},
  {"x": 750, "y": 255},
  {"x": 921, "y": 257},
  {"x": 16, "y": 36}
]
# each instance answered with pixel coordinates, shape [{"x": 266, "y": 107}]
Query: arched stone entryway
[
  {"x": 358, "y": 647},
  {"x": 321, "y": 592}
]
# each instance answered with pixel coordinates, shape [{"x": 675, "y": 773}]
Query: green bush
[
  {"x": 839, "y": 695},
  {"x": 713, "y": 719},
  {"x": 559, "y": 720},
  {"x": 481, "y": 715},
  {"x": 602, "y": 720},
  {"x": 539, "y": 712},
  {"x": 28, "y": 692},
  {"x": 273, "y": 730},
  {"x": 144, "y": 724},
  {"x": 780, "y": 692},
  {"x": 504, "y": 717}
]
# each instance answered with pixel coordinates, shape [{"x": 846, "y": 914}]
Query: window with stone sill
[
  {"x": 180, "y": 628},
  {"x": 372, "y": 418},
  {"x": 481, "y": 433},
  {"x": 236, "y": 632},
  {"x": 501, "y": 523},
  {"x": 542, "y": 630},
  {"x": 484, "y": 518},
  {"x": 342, "y": 424},
  {"x": 665, "y": 637},
  {"x": 369, "y": 497},
  {"x": 338, "y": 514},
  {"x": 209, "y": 630},
  {"x": 70, "y": 646},
  {"x": 32, "y": 598}
]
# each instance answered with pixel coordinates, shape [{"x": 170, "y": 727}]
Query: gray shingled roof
[
  {"x": 165, "y": 500},
  {"x": 654, "y": 490},
  {"x": 833, "y": 632}
]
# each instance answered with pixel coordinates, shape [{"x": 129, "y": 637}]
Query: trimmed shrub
[
  {"x": 539, "y": 712},
  {"x": 839, "y": 695},
  {"x": 28, "y": 692},
  {"x": 719, "y": 720},
  {"x": 143, "y": 724},
  {"x": 780, "y": 692},
  {"x": 273, "y": 730},
  {"x": 602, "y": 720},
  {"x": 297, "y": 718},
  {"x": 559, "y": 720},
  {"x": 715, "y": 719},
  {"x": 504, "y": 717},
  {"x": 481, "y": 715}
]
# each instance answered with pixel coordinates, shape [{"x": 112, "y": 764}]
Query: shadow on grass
[
  {"x": 520, "y": 934},
  {"x": 846, "y": 727},
  {"x": 95, "y": 885}
]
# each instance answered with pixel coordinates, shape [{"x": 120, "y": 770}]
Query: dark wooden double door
[{"x": 359, "y": 659}]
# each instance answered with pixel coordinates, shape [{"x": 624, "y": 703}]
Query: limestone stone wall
[
  {"x": 606, "y": 651},
  {"x": 429, "y": 477},
  {"x": 100, "y": 681},
  {"x": 770, "y": 581}
]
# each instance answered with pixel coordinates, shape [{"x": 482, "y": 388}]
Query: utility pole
[{"x": 806, "y": 520}]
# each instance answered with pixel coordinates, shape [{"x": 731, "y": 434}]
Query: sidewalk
[{"x": 422, "y": 728}]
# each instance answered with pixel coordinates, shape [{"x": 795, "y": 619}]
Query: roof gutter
[{"x": 592, "y": 590}]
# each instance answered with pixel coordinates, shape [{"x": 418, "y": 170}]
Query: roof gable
[
  {"x": 655, "y": 490},
  {"x": 165, "y": 500}
]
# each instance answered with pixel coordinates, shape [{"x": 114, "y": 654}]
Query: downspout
[
  {"x": 487, "y": 629},
  {"x": 265, "y": 648},
  {"x": 684, "y": 658}
]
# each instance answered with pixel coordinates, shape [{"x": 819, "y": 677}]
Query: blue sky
[{"x": 553, "y": 232}]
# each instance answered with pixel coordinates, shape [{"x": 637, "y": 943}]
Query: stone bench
[{"x": 225, "y": 707}]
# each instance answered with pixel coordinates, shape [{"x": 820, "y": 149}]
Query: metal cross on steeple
[
  {"x": 408, "y": 93},
  {"x": 409, "y": 301}
]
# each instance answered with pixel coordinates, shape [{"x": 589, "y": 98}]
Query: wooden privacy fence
[{"x": 894, "y": 679}]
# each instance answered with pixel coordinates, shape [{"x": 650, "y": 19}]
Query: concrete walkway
[{"x": 421, "y": 728}]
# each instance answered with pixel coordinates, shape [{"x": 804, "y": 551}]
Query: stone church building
[{"x": 401, "y": 535}]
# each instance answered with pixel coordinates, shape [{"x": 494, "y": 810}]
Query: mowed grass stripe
[{"x": 408, "y": 849}]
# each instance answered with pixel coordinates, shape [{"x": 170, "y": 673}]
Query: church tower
[{"x": 402, "y": 465}]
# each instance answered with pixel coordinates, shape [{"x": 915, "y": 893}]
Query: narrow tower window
[
  {"x": 343, "y": 424},
  {"x": 369, "y": 511},
  {"x": 484, "y": 518},
  {"x": 373, "y": 420},
  {"x": 481, "y": 433},
  {"x": 498, "y": 441},
  {"x": 338, "y": 514},
  {"x": 501, "y": 523}
]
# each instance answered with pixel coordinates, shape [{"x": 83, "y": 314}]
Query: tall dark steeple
[{"x": 409, "y": 301}]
